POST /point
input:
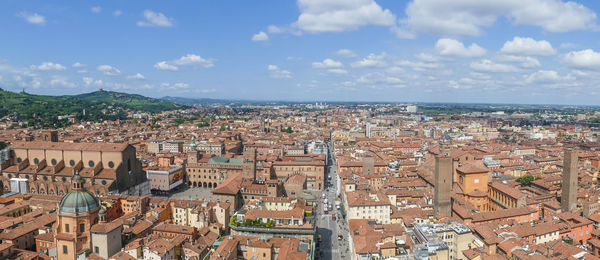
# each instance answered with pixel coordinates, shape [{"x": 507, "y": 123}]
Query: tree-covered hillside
[{"x": 44, "y": 111}]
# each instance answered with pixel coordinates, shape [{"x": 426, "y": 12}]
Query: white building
[{"x": 364, "y": 205}]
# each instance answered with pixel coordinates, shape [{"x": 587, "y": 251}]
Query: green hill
[
  {"x": 129, "y": 101},
  {"x": 44, "y": 111}
]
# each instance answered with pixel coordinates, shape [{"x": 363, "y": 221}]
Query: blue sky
[{"x": 512, "y": 51}]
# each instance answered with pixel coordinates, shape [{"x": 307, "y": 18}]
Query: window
[
  {"x": 460, "y": 179},
  {"x": 67, "y": 228},
  {"x": 65, "y": 251},
  {"x": 96, "y": 250},
  {"x": 53, "y": 161},
  {"x": 91, "y": 163},
  {"x": 111, "y": 164},
  {"x": 36, "y": 160},
  {"x": 81, "y": 228},
  {"x": 72, "y": 163}
]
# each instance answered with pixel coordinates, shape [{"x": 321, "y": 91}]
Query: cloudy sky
[{"x": 510, "y": 51}]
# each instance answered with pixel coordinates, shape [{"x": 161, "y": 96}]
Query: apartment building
[
  {"x": 362, "y": 204},
  {"x": 447, "y": 240}
]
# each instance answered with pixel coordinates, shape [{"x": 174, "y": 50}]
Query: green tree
[{"x": 525, "y": 181}]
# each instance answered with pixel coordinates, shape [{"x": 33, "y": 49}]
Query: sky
[{"x": 471, "y": 51}]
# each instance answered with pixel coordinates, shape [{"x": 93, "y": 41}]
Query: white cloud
[
  {"x": 567, "y": 45},
  {"x": 188, "y": 59},
  {"x": 546, "y": 76},
  {"x": 175, "y": 86},
  {"x": 584, "y": 59},
  {"x": 419, "y": 65},
  {"x": 136, "y": 76},
  {"x": 528, "y": 46},
  {"x": 275, "y": 29},
  {"x": 33, "y": 18},
  {"x": 260, "y": 37},
  {"x": 454, "y": 48},
  {"x": 380, "y": 80},
  {"x": 88, "y": 81},
  {"x": 155, "y": 19},
  {"x": 193, "y": 59},
  {"x": 524, "y": 61},
  {"x": 50, "y": 66},
  {"x": 210, "y": 90},
  {"x": 338, "y": 71},
  {"x": 117, "y": 13},
  {"x": 427, "y": 57},
  {"x": 96, "y": 9},
  {"x": 327, "y": 63},
  {"x": 278, "y": 73},
  {"x": 341, "y": 15},
  {"x": 345, "y": 53},
  {"x": 490, "y": 66},
  {"x": 467, "y": 17},
  {"x": 109, "y": 70},
  {"x": 77, "y": 65},
  {"x": 371, "y": 61},
  {"x": 394, "y": 70},
  {"x": 61, "y": 81},
  {"x": 163, "y": 65}
]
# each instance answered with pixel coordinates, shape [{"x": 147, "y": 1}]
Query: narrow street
[{"x": 332, "y": 245}]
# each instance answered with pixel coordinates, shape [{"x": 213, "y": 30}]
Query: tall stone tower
[
  {"x": 49, "y": 135},
  {"x": 443, "y": 183},
  {"x": 568, "y": 201},
  {"x": 368, "y": 165},
  {"x": 249, "y": 167}
]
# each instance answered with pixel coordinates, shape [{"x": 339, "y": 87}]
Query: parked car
[
  {"x": 333, "y": 216},
  {"x": 340, "y": 237}
]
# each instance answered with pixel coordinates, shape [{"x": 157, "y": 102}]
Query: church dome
[{"x": 78, "y": 202}]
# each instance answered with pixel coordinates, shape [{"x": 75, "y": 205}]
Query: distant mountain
[
  {"x": 54, "y": 111},
  {"x": 195, "y": 101}
]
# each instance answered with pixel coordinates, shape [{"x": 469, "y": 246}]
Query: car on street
[{"x": 332, "y": 216}]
